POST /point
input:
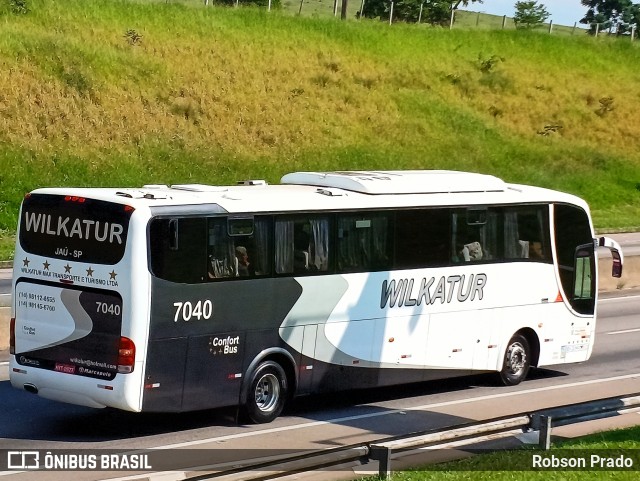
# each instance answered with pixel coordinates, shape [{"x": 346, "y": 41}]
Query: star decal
[
  {"x": 25, "y": 262},
  {"x": 46, "y": 265},
  {"x": 67, "y": 268},
  {"x": 113, "y": 274},
  {"x": 90, "y": 272}
]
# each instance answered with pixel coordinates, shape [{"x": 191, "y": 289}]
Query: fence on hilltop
[{"x": 459, "y": 19}]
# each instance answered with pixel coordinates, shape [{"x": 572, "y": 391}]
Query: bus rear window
[{"x": 74, "y": 228}]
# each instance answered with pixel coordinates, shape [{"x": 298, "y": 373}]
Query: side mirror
[
  {"x": 616, "y": 268},
  {"x": 616, "y": 255}
]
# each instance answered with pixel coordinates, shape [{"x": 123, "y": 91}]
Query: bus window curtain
[
  {"x": 284, "y": 246},
  {"x": 320, "y": 252},
  {"x": 221, "y": 251},
  {"x": 489, "y": 236},
  {"x": 379, "y": 234},
  {"x": 512, "y": 246},
  {"x": 347, "y": 244},
  {"x": 455, "y": 243},
  {"x": 261, "y": 233}
]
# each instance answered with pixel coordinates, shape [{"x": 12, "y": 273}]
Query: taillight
[
  {"x": 126, "y": 355},
  {"x": 12, "y": 336},
  {"x": 75, "y": 198}
]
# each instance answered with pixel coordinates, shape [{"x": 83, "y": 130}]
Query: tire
[
  {"x": 267, "y": 393},
  {"x": 517, "y": 361}
]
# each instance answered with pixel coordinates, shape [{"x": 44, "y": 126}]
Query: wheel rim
[
  {"x": 516, "y": 359},
  {"x": 267, "y": 392}
]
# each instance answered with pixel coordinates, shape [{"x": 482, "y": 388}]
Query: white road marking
[
  {"x": 617, "y": 298},
  {"x": 623, "y": 332}
]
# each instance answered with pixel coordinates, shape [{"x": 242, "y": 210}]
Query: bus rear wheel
[
  {"x": 267, "y": 393},
  {"x": 517, "y": 361}
]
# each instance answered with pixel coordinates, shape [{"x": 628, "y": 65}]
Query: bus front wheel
[
  {"x": 267, "y": 393},
  {"x": 517, "y": 361}
]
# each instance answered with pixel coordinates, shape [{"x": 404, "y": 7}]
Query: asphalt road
[
  {"x": 630, "y": 243},
  {"x": 27, "y": 421}
]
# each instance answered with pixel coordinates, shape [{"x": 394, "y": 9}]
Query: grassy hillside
[{"x": 113, "y": 92}]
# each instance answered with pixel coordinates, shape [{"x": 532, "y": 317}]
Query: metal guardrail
[
  {"x": 544, "y": 421},
  {"x": 309, "y": 462},
  {"x": 381, "y": 451}
]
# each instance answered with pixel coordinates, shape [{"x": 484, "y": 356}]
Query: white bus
[{"x": 192, "y": 297}]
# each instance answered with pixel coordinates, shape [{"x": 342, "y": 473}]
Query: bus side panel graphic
[
  {"x": 84, "y": 338},
  {"x": 196, "y": 357}
]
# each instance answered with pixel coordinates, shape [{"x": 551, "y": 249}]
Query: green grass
[
  {"x": 516, "y": 464},
  {"x": 214, "y": 94}
]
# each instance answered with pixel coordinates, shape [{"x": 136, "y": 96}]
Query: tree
[
  {"x": 621, "y": 14},
  {"x": 629, "y": 18},
  {"x": 529, "y": 14},
  {"x": 435, "y": 12}
]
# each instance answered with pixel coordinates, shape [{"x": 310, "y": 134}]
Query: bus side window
[
  {"x": 239, "y": 247},
  {"x": 363, "y": 242},
  {"x": 475, "y": 235},
  {"x": 221, "y": 256},
  {"x": 422, "y": 238},
  {"x": 178, "y": 249},
  {"x": 526, "y": 233},
  {"x": 302, "y": 245}
]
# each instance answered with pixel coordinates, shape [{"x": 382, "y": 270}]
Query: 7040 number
[
  {"x": 108, "y": 308},
  {"x": 185, "y": 311}
]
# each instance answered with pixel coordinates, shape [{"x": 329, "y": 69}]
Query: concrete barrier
[
  {"x": 630, "y": 279},
  {"x": 630, "y": 275},
  {"x": 5, "y": 316}
]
